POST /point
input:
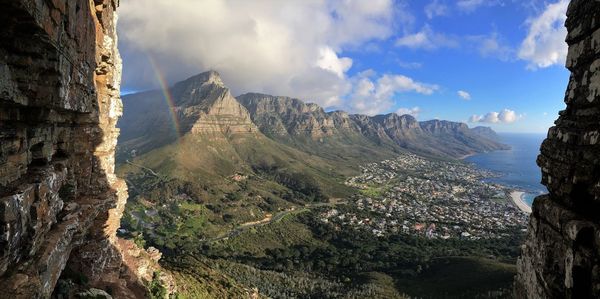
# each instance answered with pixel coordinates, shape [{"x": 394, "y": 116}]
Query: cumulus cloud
[
  {"x": 545, "y": 44},
  {"x": 279, "y": 47},
  {"x": 427, "y": 39},
  {"x": 505, "y": 116},
  {"x": 464, "y": 95},
  {"x": 372, "y": 95},
  {"x": 436, "y": 8},
  {"x": 414, "y": 111}
]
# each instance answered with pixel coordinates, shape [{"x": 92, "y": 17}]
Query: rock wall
[
  {"x": 60, "y": 202},
  {"x": 561, "y": 256}
]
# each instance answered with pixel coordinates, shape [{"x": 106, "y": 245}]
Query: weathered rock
[
  {"x": 60, "y": 201},
  {"x": 94, "y": 294},
  {"x": 561, "y": 256},
  {"x": 200, "y": 105},
  {"x": 288, "y": 119}
]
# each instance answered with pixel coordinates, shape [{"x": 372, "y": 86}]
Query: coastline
[
  {"x": 466, "y": 156},
  {"x": 517, "y": 198}
]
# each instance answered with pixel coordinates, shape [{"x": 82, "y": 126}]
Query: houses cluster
[{"x": 435, "y": 199}]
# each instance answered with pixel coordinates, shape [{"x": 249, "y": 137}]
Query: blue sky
[
  {"x": 495, "y": 81},
  {"x": 495, "y": 63}
]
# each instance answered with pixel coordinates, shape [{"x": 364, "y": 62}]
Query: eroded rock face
[
  {"x": 60, "y": 202},
  {"x": 561, "y": 256},
  {"x": 291, "y": 120}
]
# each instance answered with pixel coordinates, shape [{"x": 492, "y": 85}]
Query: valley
[
  {"x": 411, "y": 218},
  {"x": 268, "y": 196},
  {"x": 412, "y": 222}
]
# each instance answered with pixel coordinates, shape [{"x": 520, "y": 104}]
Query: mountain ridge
[
  {"x": 287, "y": 118},
  {"x": 202, "y": 104}
]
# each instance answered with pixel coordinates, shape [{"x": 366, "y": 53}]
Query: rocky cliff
[
  {"x": 486, "y": 132},
  {"x": 201, "y": 104},
  {"x": 60, "y": 201},
  {"x": 561, "y": 257},
  {"x": 288, "y": 119}
]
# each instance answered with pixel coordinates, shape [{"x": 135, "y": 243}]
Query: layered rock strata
[
  {"x": 561, "y": 256},
  {"x": 289, "y": 119},
  {"x": 60, "y": 201}
]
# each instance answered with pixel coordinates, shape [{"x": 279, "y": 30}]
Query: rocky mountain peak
[
  {"x": 440, "y": 126},
  {"x": 205, "y": 105},
  {"x": 397, "y": 121},
  {"x": 206, "y": 78},
  {"x": 201, "y": 104}
]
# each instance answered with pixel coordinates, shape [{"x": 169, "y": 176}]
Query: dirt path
[{"x": 272, "y": 219}]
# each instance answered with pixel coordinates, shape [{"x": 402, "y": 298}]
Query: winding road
[{"x": 274, "y": 219}]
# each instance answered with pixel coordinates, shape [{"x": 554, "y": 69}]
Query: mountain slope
[
  {"x": 208, "y": 167},
  {"x": 204, "y": 136},
  {"x": 486, "y": 132},
  {"x": 309, "y": 127},
  {"x": 333, "y": 135},
  {"x": 216, "y": 158}
]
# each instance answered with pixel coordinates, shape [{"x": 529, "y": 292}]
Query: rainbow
[{"x": 164, "y": 87}]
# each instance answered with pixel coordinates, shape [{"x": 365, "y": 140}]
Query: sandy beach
[
  {"x": 517, "y": 198},
  {"x": 466, "y": 156}
]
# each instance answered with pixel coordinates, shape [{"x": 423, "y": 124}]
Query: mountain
[
  {"x": 204, "y": 168},
  {"x": 486, "y": 132},
  {"x": 203, "y": 138},
  {"x": 309, "y": 127},
  {"x": 201, "y": 104},
  {"x": 197, "y": 133}
]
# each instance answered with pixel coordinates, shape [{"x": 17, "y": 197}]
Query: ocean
[{"x": 516, "y": 166}]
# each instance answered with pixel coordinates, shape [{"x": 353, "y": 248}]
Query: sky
[{"x": 497, "y": 63}]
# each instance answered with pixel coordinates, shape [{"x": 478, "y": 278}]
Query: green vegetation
[
  {"x": 300, "y": 256},
  {"x": 239, "y": 216},
  {"x": 374, "y": 191},
  {"x": 156, "y": 289},
  {"x": 461, "y": 277}
]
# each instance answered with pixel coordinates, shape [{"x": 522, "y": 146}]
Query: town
[{"x": 435, "y": 199}]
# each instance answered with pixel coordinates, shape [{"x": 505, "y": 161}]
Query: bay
[{"x": 517, "y": 167}]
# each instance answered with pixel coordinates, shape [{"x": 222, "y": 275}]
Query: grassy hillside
[
  {"x": 201, "y": 186},
  {"x": 300, "y": 253}
]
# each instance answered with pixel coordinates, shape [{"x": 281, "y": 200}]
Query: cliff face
[
  {"x": 202, "y": 105},
  {"x": 286, "y": 116},
  {"x": 291, "y": 120},
  {"x": 60, "y": 202},
  {"x": 561, "y": 257}
]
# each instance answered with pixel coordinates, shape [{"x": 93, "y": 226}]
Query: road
[
  {"x": 144, "y": 168},
  {"x": 278, "y": 217}
]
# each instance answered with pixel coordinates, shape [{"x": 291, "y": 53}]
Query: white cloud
[
  {"x": 400, "y": 83},
  {"x": 545, "y": 44},
  {"x": 280, "y": 47},
  {"x": 464, "y": 95},
  {"x": 328, "y": 60},
  {"x": 469, "y": 5},
  {"x": 492, "y": 45},
  {"x": 414, "y": 111},
  {"x": 506, "y": 116},
  {"x": 427, "y": 39},
  {"x": 436, "y": 8},
  {"x": 409, "y": 64},
  {"x": 376, "y": 95}
]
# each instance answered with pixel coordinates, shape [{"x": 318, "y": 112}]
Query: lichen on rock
[{"x": 561, "y": 256}]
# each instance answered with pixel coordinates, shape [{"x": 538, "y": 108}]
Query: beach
[{"x": 517, "y": 198}]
